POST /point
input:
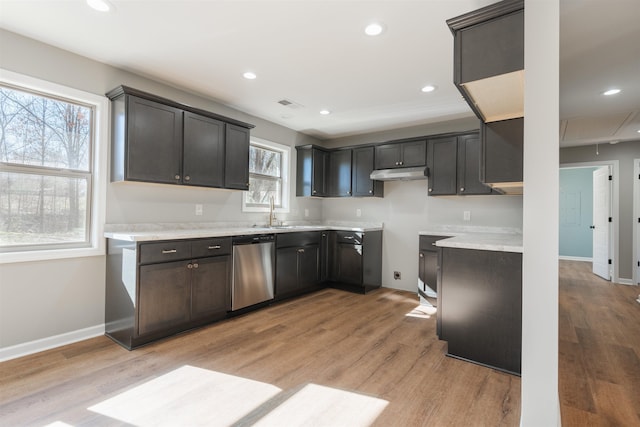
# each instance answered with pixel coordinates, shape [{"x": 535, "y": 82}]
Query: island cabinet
[
  {"x": 356, "y": 260},
  {"x": 340, "y": 173},
  {"x": 453, "y": 164},
  {"x": 298, "y": 263},
  {"x": 362, "y": 166},
  {"x": 158, "y": 140},
  {"x": 157, "y": 289},
  {"x": 312, "y": 171},
  {"x": 480, "y": 306},
  {"x": 409, "y": 153}
]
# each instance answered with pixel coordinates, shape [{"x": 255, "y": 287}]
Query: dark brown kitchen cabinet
[
  {"x": 204, "y": 147},
  {"x": 312, "y": 171},
  {"x": 340, "y": 173},
  {"x": 161, "y": 141},
  {"x": 298, "y": 263},
  {"x": 454, "y": 166},
  {"x": 156, "y": 289},
  {"x": 489, "y": 59},
  {"x": 401, "y": 154},
  {"x": 428, "y": 255},
  {"x": 356, "y": 260},
  {"x": 362, "y": 166},
  {"x": 502, "y": 154},
  {"x": 150, "y": 148},
  {"x": 480, "y": 306},
  {"x": 237, "y": 158}
]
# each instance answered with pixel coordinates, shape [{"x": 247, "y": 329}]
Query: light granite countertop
[
  {"x": 171, "y": 231},
  {"x": 481, "y": 238}
]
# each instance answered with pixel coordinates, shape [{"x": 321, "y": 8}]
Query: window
[
  {"x": 48, "y": 169},
  {"x": 268, "y": 177}
]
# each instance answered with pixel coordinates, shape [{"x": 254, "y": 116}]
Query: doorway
[
  {"x": 636, "y": 222},
  {"x": 589, "y": 215}
]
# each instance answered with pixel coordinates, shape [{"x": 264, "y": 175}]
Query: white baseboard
[
  {"x": 622, "y": 281},
  {"x": 24, "y": 349},
  {"x": 575, "y": 258}
]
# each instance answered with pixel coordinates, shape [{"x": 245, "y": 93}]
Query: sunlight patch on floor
[
  {"x": 188, "y": 396},
  {"x": 316, "y": 405},
  {"x": 422, "y": 311}
]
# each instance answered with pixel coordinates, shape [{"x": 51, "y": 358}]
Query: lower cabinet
[
  {"x": 161, "y": 288},
  {"x": 298, "y": 263},
  {"x": 356, "y": 260}
]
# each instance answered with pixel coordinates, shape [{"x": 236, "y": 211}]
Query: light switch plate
[
  {"x": 198, "y": 210},
  {"x": 466, "y": 215},
  {"x": 358, "y": 212}
]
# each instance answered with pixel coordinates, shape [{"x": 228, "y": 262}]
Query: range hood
[{"x": 399, "y": 174}]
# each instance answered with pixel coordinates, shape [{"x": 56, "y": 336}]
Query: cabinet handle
[
  {"x": 169, "y": 251},
  {"x": 187, "y": 178},
  {"x": 300, "y": 251},
  {"x": 421, "y": 255},
  {"x": 349, "y": 237},
  {"x": 189, "y": 266},
  {"x": 214, "y": 247},
  {"x": 177, "y": 176},
  {"x": 433, "y": 244}
]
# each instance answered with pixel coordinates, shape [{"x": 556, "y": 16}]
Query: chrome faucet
[{"x": 272, "y": 215}]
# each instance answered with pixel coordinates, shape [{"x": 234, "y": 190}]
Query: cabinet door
[
  {"x": 502, "y": 148},
  {"x": 428, "y": 269},
  {"x": 236, "y": 170},
  {"x": 286, "y": 271},
  {"x": 165, "y": 296},
  {"x": 349, "y": 263},
  {"x": 413, "y": 153},
  {"x": 442, "y": 157},
  {"x": 387, "y": 156},
  {"x": 210, "y": 286},
  {"x": 324, "y": 256},
  {"x": 203, "y": 161},
  {"x": 340, "y": 173},
  {"x": 320, "y": 161},
  {"x": 308, "y": 266},
  {"x": 154, "y": 142},
  {"x": 469, "y": 166},
  {"x": 362, "y": 166}
]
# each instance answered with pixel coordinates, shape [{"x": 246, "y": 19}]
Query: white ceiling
[{"x": 315, "y": 54}]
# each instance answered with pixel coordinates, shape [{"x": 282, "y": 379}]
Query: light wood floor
[{"x": 341, "y": 341}]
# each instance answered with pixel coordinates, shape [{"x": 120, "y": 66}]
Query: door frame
[
  {"x": 615, "y": 206},
  {"x": 636, "y": 227}
]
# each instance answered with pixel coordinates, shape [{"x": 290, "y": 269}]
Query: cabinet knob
[
  {"x": 401, "y": 163},
  {"x": 397, "y": 163},
  {"x": 247, "y": 185},
  {"x": 187, "y": 178},
  {"x": 421, "y": 255},
  {"x": 300, "y": 251},
  {"x": 370, "y": 191},
  {"x": 195, "y": 265},
  {"x": 189, "y": 266},
  {"x": 177, "y": 176},
  {"x": 461, "y": 188},
  {"x": 430, "y": 190},
  {"x": 314, "y": 191},
  {"x": 348, "y": 193}
]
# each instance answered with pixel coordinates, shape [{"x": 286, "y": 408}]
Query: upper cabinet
[
  {"x": 312, "y": 171},
  {"x": 401, "y": 154},
  {"x": 454, "y": 166},
  {"x": 362, "y": 166},
  {"x": 502, "y": 156},
  {"x": 158, "y": 140},
  {"x": 489, "y": 59},
  {"x": 340, "y": 173}
]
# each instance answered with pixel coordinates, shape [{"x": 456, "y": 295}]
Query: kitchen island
[{"x": 480, "y": 295}]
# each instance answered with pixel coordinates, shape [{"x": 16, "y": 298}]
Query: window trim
[
  {"x": 98, "y": 181},
  {"x": 286, "y": 172}
]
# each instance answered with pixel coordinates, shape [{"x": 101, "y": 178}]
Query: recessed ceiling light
[
  {"x": 249, "y": 75},
  {"x": 325, "y": 112},
  {"x": 374, "y": 29},
  {"x": 428, "y": 88},
  {"x": 611, "y": 92},
  {"x": 99, "y": 5},
  {"x": 638, "y": 130}
]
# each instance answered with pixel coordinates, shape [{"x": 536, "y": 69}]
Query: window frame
[
  {"x": 96, "y": 177},
  {"x": 285, "y": 152}
]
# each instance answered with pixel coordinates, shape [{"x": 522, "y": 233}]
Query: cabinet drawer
[
  {"x": 171, "y": 250},
  {"x": 211, "y": 247},
  {"x": 301, "y": 238},
  {"x": 349, "y": 237},
  {"x": 427, "y": 243}
]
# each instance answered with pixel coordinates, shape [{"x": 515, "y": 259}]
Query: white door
[{"x": 601, "y": 214}]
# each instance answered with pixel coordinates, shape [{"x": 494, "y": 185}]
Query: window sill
[{"x": 53, "y": 254}]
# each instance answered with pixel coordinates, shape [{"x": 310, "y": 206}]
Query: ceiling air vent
[{"x": 290, "y": 104}]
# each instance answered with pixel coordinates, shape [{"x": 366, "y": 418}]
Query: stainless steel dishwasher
[{"x": 253, "y": 270}]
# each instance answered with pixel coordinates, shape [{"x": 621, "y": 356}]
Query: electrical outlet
[
  {"x": 306, "y": 212},
  {"x": 198, "y": 210},
  {"x": 466, "y": 215},
  {"x": 396, "y": 275},
  {"x": 358, "y": 213}
]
